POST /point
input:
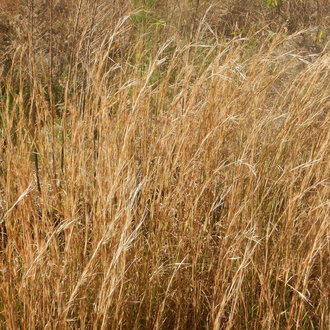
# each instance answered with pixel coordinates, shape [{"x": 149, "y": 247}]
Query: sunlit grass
[{"x": 161, "y": 180}]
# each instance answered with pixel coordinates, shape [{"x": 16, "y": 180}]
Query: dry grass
[{"x": 155, "y": 178}]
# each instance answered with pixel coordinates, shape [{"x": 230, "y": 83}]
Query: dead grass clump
[{"x": 178, "y": 184}]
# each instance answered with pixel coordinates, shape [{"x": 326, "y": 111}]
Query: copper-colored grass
[{"x": 163, "y": 185}]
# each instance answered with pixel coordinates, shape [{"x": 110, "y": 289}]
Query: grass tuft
[{"x": 164, "y": 165}]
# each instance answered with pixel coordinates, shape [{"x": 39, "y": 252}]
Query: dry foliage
[{"x": 155, "y": 178}]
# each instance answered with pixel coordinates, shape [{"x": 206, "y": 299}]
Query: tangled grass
[{"x": 155, "y": 181}]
